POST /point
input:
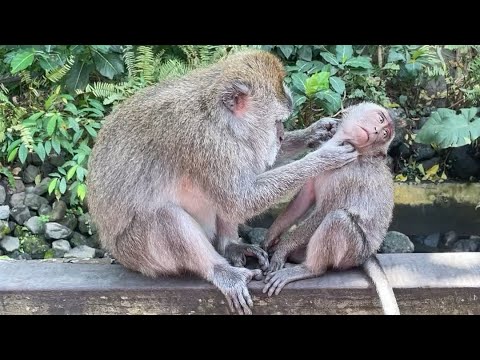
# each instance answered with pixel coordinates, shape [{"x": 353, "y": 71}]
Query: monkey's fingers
[
  {"x": 243, "y": 301},
  {"x": 239, "y": 261},
  {"x": 257, "y": 274},
  {"x": 230, "y": 303},
  {"x": 260, "y": 254},
  {"x": 275, "y": 265}
]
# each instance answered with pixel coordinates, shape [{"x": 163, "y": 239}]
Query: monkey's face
[{"x": 368, "y": 126}]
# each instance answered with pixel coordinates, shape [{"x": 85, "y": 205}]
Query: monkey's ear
[{"x": 235, "y": 98}]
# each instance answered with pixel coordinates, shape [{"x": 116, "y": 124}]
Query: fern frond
[
  {"x": 25, "y": 135},
  {"x": 171, "y": 68},
  {"x": 129, "y": 59},
  {"x": 101, "y": 89},
  {"x": 144, "y": 63},
  {"x": 3, "y": 89},
  {"x": 3, "y": 128},
  {"x": 25, "y": 77},
  {"x": 57, "y": 74}
]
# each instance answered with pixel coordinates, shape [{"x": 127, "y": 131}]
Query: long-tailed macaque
[
  {"x": 179, "y": 165},
  {"x": 352, "y": 212}
]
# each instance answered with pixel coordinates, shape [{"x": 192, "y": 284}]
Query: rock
[
  {"x": 257, "y": 236},
  {"x": 12, "y": 225},
  {"x": 47, "y": 168},
  {"x": 78, "y": 239},
  {"x": 61, "y": 247},
  {"x": 463, "y": 163},
  {"x": 427, "y": 164},
  {"x": 20, "y": 214},
  {"x": 3, "y": 194},
  {"x": 99, "y": 253},
  {"x": 42, "y": 188},
  {"x": 29, "y": 174},
  {"x": 4, "y": 212},
  {"x": 449, "y": 238},
  {"x": 29, "y": 189},
  {"x": 17, "y": 255},
  {"x": 423, "y": 152},
  {"x": 35, "y": 245},
  {"x": 4, "y": 229},
  {"x": 58, "y": 210},
  {"x": 56, "y": 231},
  {"x": 34, "y": 159},
  {"x": 396, "y": 242},
  {"x": 93, "y": 241},
  {"x": 35, "y": 201},
  {"x": 35, "y": 225},
  {"x": 432, "y": 240},
  {"x": 1, "y": 252},
  {"x": 243, "y": 230},
  {"x": 17, "y": 199},
  {"x": 44, "y": 209},
  {"x": 19, "y": 186},
  {"x": 85, "y": 224},
  {"x": 465, "y": 245},
  {"x": 69, "y": 221},
  {"x": 56, "y": 159},
  {"x": 82, "y": 251},
  {"x": 10, "y": 243}
]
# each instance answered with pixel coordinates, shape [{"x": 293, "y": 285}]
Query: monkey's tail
[{"x": 385, "y": 292}]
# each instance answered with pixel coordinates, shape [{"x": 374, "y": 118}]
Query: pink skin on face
[{"x": 377, "y": 128}]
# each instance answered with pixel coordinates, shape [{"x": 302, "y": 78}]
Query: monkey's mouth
[{"x": 366, "y": 132}]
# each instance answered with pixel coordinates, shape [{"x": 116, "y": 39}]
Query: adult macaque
[
  {"x": 353, "y": 209},
  {"x": 179, "y": 165}
]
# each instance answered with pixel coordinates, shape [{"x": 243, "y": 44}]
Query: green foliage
[{"x": 445, "y": 128}]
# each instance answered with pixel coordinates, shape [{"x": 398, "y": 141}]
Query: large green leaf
[
  {"x": 108, "y": 65},
  {"x": 446, "y": 128},
  {"x": 394, "y": 55},
  {"x": 317, "y": 82},
  {"x": 359, "y": 62},
  {"x": 22, "y": 60},
  {"x": 344, "y": 52},
  {"x": 337, "y": 84},
  {"x": 286, "y": 50},
  {"x": 305, "y": 53},
  {"x": 77, "y": 77},
  {"x": 298, "y": 82},
  {"x": 330, "y": 58},
  {"x": 331, "y": 101}
]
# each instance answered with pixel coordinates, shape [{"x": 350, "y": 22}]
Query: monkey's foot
[
  {"x": 277, "y": 280},
  {"x": 235, "y": 254},
  {"x": 232, "y": 282}
]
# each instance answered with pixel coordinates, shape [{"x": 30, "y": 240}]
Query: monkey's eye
[{"x": 381, "y": 119}]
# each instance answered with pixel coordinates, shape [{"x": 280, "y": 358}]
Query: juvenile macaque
[
  {"x": 352, "y": 212},
  {"x": 179, "y": 165}
]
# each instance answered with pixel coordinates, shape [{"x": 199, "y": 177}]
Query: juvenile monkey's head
[
  {"x": 368, "y": 127},
  {"x": 256, "y": 99}
]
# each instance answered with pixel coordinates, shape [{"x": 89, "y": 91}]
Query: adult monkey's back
[{"x": 179, "y": 165}]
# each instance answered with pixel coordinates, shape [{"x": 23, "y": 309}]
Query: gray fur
[
  {"x": 179, "y": 165},
  {"x": 352, "y": 213}
]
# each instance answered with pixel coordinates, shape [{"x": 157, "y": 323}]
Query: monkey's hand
[
  {"x": 276, "y": 262},
  {"x": 277, "y": 280},
  {"x": 321, "y": 131},
  {"x": 236, "y": 254},
  {"x": 335, "y": 154},
  {"x": 232, "y": 282}
]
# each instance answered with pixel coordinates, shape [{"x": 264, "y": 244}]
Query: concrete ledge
[{"x": 439, "y": 283}]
